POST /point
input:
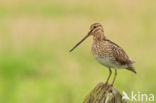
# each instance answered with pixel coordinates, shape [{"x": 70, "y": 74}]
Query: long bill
[{"x": 80, "y": 41}]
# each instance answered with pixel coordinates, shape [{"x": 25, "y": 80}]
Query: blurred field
[{"x": 35, "y": 37}]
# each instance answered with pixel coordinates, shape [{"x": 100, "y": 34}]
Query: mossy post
[{"x": 104, "y": 93}]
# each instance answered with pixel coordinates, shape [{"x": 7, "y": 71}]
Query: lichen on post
[{"x": 104, "y": 93}]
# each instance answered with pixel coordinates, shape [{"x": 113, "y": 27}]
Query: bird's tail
[{"x": 131, "y": 68}]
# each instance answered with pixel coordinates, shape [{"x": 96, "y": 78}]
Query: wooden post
[{"x": 104, "y": 93}]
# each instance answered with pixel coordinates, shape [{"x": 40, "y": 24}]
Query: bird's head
[{"x": 94, "y": 30}]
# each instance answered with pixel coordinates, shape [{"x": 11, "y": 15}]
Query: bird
[{"x": 106, "y": 52}]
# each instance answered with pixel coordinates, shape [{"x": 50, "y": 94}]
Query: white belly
[{"x": 106, "y": 61}]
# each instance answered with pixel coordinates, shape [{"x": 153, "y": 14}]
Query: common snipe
[{"x": 107, "y": 52}]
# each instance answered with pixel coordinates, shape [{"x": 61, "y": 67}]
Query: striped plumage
[{"x": 107, "y": 52}]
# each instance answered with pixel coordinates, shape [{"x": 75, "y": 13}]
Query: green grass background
[{"x": 35, "y": 37}]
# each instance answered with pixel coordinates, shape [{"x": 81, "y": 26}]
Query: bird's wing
[{"x": 120, "y": 55}]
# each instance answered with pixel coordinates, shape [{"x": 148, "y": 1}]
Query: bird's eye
[{"x": 94, "y": 26}]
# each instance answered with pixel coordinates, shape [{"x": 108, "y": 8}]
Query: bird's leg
[
  {"x": 110, "y": 72},
  {"x": 114, "y": 77}
]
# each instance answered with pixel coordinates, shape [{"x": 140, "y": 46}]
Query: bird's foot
[{"x": 111, "y": 85}]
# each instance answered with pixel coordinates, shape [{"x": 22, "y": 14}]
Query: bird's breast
[
  {"x": 101, "y": 53},
  {"x": 101, "y": 49}
]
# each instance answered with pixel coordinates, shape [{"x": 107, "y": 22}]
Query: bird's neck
[{"x": 99, "y": 37}]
